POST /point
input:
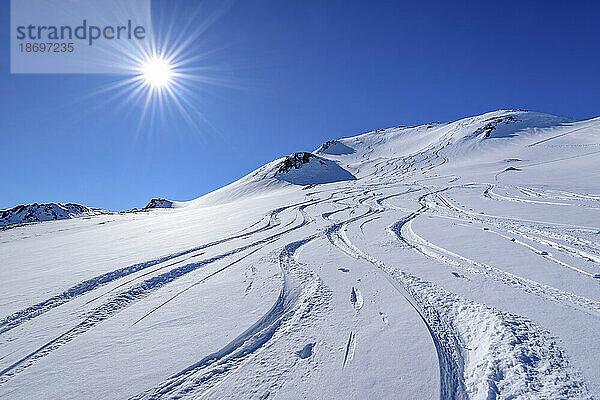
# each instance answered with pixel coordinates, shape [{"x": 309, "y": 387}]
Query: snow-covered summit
[
  {"x": 45, "y": 212},
  {"x": 308, "y": 169},
  {"x": 351, "y": 158},
  {"x": 457, "y": 138},
  {"x": 297, "y": 169}
]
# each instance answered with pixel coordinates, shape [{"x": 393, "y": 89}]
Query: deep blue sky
[{"x": 298, "y": 73}]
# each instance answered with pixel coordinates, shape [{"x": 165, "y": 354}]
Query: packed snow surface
[{"x": 454, "y": 261}]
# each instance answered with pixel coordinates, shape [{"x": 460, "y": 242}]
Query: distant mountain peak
[
  {"x": 159, "y": 202},
  {"x": 45, "y": 212}
]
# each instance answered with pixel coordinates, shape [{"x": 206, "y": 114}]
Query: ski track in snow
[
  {"x": 82, "y": 288},
  {"x": 460, "y": 380},
  {"x": 128, "y": 297},
  {"x": 298, "y": 291}
]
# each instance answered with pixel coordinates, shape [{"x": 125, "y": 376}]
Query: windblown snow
[{"x": 449, "y": 260}]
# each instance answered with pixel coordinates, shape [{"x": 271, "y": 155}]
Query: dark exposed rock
[
  {"x": 294, "y": 161},
  {"x": 493, "y": 123},
  {"x": 335, "y": 147},
  {"x": 159, "y": 202}
]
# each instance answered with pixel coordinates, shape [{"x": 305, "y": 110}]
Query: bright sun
[{"x": 157, "y": 72}]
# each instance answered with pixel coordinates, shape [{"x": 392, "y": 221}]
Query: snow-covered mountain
[
  {"x": 45, "y": 212},
  {"x": 449, "y": 260}
]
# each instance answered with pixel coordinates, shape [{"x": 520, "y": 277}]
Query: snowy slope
[
  {"x": 296, "y": 169},
  {"x": 45, "y": 212},
  {"x": 453, "y": 261}
]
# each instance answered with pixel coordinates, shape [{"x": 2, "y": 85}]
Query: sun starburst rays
[{"x": 167, "y": 78}]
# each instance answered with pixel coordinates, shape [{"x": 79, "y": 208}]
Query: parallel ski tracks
[
  {"x": 141, "y": 290},
  {"x": 449, "y": 321}
]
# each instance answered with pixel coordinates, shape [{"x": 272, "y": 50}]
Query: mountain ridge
[{"x": 470, "y": 133}]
